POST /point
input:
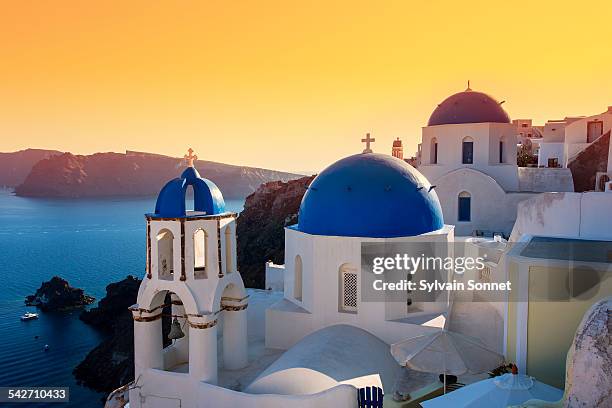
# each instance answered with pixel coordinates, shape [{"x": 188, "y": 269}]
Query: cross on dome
[
  {"x": 367, "y": 141},
  {"x": 190, "y": 158}
]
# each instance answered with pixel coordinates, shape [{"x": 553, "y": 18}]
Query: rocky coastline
[
  {"x": 261, "y": 226},
  {"x": 111, "y": 364},
  {"x": 131, "y": 174}
]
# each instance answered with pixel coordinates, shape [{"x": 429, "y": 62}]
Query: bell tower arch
[{"x": 191, "y": 278}]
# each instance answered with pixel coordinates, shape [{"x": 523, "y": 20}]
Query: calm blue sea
[{"x": 88, "y": 242}]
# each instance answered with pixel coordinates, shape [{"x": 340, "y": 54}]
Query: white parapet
[{"x": 274, "y": 276}]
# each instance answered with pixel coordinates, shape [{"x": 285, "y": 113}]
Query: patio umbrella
[
  {"x": 447, "y": 353},
  {"x": 509, "y": 389}
]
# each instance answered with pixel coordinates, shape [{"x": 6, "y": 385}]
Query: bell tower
[
  {"x": 191, "y": 277},
  {"x": 397, "y": 150}
]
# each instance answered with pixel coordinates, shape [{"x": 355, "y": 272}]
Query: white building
[
  {"x": 563, "y": 139},
  {"x": 360, "y": 199},
  {"x": 468, "y": 150}
]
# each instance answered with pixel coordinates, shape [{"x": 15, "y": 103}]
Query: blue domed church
[{"x": 364, "y": 198}]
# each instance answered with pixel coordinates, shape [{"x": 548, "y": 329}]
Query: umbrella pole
[{"x": 444, "y": 359}]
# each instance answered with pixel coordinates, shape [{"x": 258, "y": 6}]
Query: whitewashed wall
[
  {"x": 486, "y": 138},
  {"x": 178, "y": 391},
  {"x": 565, "y": 215}
]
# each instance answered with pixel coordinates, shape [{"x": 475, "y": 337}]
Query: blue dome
[
  {"x": 370, "y": 195},
  {"x": 207, "y": 196},
  {"x": 468, "y": 107}
]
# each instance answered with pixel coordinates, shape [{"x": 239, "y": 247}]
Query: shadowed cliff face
[
  {"x": 260, "y": 228},
  {"x": 111, "y": 363},
  {"x": 133, "y": 174},
  {"x": 587, "y": 163}
]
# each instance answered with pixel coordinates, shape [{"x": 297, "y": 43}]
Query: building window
[
  {"x": 594, "y": 130},
  {"x": 464, "y": 207},
  {"x": 501, "y": 150},
  {"x": 200, "y": 253},
  {"x": 348, "y": 288},
  {"x": 434, "y": 151},
  {"x": 297, "y": 278},
  {"x": 467, "y": 151},
  {"x": 229, "y": 255},
  {"x": 165, "y": 255}
]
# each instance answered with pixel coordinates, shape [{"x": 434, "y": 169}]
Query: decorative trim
[
  {"x": 177, "y": 302},
  {"x": 149, "y": 274},
  {"x": 234, "y": 308},
  {"x": 183, "y": 275},
  {"x": 207, "y": 325},
  {"x": 231, "y": 299},
  {"x": 219, "y": 248},
  {"x": 192, "y": 218},
  {"x": 147, "y": 318}
]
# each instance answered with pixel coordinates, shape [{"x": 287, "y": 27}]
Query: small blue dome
[
  {"x": 468, "y": 107},
  {"x": 207, "y": 196},
  {"x": 370, "y": 195}
]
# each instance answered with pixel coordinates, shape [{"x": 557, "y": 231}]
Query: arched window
[
  {"x": 165, "y": 255},
  {"x": 464, "y": 210},
  {"x": 501, "y": 150},
  {"x": 190, "y": 199},
  {"x": 200, "y": 253},
  {"x": 347, "y": 301},
  {"x": 297, "y": 278},
  {"x": 434, "y": 151},
  {"x": 229, "y": 255},
  {"x": 467, "y": 150}
]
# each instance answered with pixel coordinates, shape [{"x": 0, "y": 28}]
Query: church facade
[
  {"x": 364, "y": 198},
  {"x": 468, "y": 150}
]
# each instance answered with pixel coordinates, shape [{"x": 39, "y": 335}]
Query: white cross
[
  {"x": 367, "y": 141},
  {"x": 190, "y": 158}
]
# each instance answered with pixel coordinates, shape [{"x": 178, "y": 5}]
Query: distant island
[{"x": 48, "y": 173}]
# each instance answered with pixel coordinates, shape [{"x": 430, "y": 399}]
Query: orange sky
[{"x": 285, "y": 85}]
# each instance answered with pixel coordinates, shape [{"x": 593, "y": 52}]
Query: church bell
[{"x": 175, "y": 330}]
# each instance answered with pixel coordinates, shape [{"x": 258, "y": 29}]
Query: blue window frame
[
  {"x": 468, "y": 153},
  {"x": 465, "y": 211}
]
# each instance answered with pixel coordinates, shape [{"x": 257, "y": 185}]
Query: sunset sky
[{"x": 285, "y": 85}]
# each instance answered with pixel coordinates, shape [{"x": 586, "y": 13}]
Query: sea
[{"x": 88, "y": 242}]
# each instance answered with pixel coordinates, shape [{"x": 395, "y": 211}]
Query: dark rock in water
[
  {"x": 57, "y": 294},
  {"x": 111, "y": 364},
  {"x": 260, "y": 228},
  {"x": 119, "y": 297}
]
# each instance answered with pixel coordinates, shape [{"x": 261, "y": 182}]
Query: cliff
[
  {"x": 133, "y": 174},
  {"x": 15, "y": 167},
  {"x": 260, "y": 227},
  {"x": 111, "y": 363},
  {"x": 57, "y": 294}
]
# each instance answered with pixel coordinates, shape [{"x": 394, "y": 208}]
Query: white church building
[
  {"x": 468, "y": 151},
  {"x": 321, "y": 320}
]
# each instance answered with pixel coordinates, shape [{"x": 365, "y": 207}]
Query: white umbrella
[
  {"x": 509, "y": 389},
  {"x": 447, "y": 353}
]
